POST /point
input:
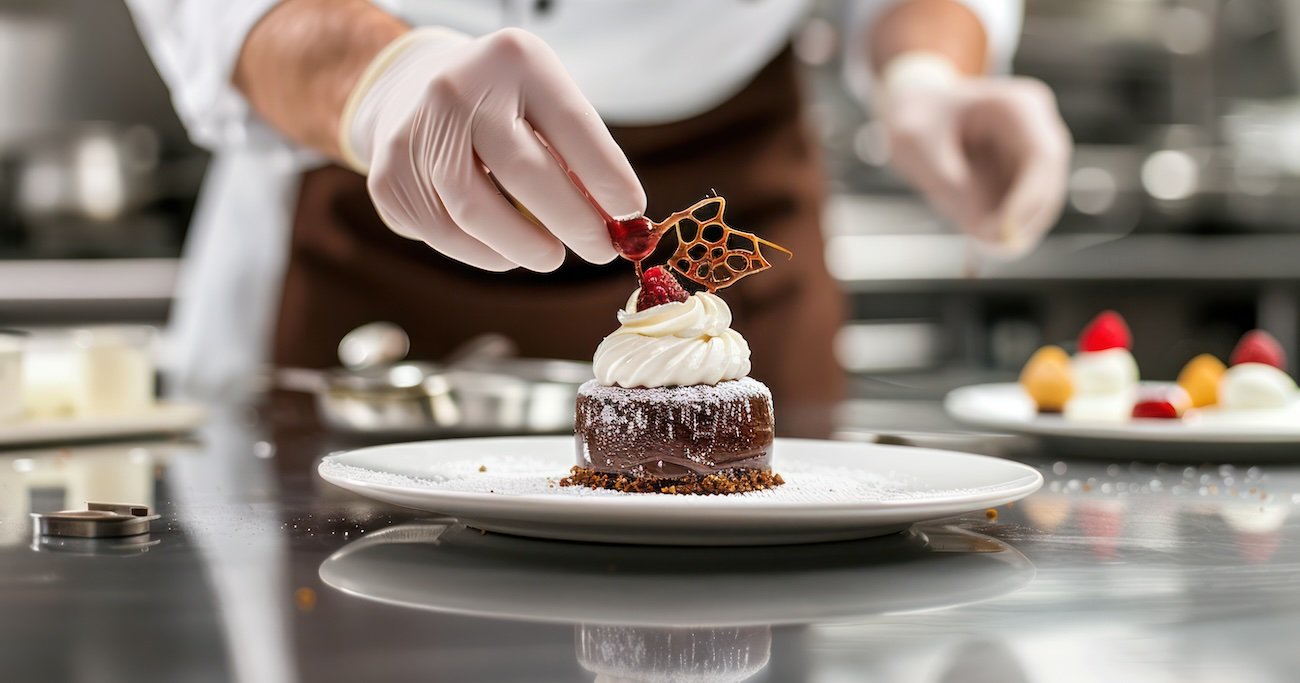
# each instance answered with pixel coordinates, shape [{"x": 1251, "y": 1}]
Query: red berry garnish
[
  {"x": 658, "y": 286},
  {"x": 1106, "y": 331},
  {"x": 1258, "y": 346},
  {"x": 1163, "y": 410},
  {"x": 634, "y": 238}
]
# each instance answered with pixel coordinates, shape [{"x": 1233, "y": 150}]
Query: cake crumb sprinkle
[{"x": 717, "y": 483}]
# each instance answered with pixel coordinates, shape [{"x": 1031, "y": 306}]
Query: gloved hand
[
  {"x": 437, "y": 110},
  {"x": 990, "y": 154}
]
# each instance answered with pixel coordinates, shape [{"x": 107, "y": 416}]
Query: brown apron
[{"x": 346, "y": 268}]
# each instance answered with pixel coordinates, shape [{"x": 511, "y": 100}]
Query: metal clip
[{"x": 98, "y": 520}]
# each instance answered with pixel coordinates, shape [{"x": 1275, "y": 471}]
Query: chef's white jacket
[{"x": 638, "y": 61}]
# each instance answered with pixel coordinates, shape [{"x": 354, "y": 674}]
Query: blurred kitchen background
[{"x": 1183, "y": 213}]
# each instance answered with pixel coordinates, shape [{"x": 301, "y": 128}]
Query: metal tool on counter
[
  {"x": 98, "y": 520},
  {"x": 480, "y": 388}
]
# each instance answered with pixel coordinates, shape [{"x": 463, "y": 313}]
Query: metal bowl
[
  {"x": 518, "y": 396},
  {"x": 490, "y": 396}
]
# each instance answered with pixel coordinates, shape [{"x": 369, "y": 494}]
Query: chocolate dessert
[
  {"x": 693, "y": 439},
  {"x": 672, "y": 408}
]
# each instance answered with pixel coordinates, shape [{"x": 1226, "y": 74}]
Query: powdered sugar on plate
[{"x": 540, "y": 477}]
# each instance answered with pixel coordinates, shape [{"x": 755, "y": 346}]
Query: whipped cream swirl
[{"x": 674, "y": 344}]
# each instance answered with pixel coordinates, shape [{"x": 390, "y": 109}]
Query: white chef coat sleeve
[
  {"x": 195, "y": 45},
  {"x": 1002, "y": 20}
]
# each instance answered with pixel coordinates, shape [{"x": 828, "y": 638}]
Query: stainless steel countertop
[{"x": 1115, "y": 571}]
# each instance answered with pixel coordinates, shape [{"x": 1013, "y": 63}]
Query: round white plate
[
  {"x": 1007, "y": 408},
  {"x": 452, "y": 569},
  {"x": 833, "y": 491}
]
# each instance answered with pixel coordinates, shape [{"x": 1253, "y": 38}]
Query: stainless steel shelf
[
  {"x": 895, "y": 243},
  {"x": 88, "y": 280}
]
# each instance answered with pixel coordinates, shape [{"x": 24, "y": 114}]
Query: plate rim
[{"x": 1028, "y": 481}]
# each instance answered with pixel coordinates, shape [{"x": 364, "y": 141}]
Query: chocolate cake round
[{"x": 699, "y": 439}]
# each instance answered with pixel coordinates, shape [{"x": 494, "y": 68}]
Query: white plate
[
  {"x": 833, "y": 491},
  {"x": 457, "y": 570},
  {"x": 1007, "y": 408},
  {"x": 163, "y": 418}
]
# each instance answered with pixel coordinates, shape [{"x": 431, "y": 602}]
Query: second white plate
[
  {"x": 1007, "y": 408},
  {"x": 833, "y": 491}
]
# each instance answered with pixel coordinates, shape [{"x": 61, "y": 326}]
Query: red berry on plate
[
  {"x": 1106, "y": 331},
  {"x": 1258, "y": 346},
  {"x": 1163, "y": 410},
  {"x": 659, "y": 286}
]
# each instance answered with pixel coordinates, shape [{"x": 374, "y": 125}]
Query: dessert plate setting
[
  {"x": 833, "y": 491},
  {"x": 1006, "y": 407},
  {"x": 1092, "y": 403}
]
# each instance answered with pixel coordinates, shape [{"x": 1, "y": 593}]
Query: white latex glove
[
  {"x": 437, "y": 110},
  {"x": 990, "y": 154}
]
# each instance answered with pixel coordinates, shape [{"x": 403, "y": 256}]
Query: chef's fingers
[
  {"x": 1036, "y": 196},
  {"x": 528, "y": 171},
  {"x": 475, "y": 205},
  {"x": 422, "y": 216},
  {"x": 557, "y": 109},
  {"x": 937, "y": 167}
]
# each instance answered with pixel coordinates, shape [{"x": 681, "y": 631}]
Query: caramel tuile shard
[{"x": 711, "y": 253}]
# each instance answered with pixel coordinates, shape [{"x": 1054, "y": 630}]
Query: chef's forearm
[
  {"x": 945, "y": 27},
  {"x": 300, "y": 62}
]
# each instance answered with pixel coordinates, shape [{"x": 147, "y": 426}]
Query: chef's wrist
[
  {"x": 298, "y": 63},
  {"x": 947, "y": 28}
]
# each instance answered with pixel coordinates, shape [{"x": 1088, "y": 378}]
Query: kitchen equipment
[
  {"x": 512, "y": 396},
  {"x": 476, "y": 390},
  {"x": 11, "y": 375},
  {"x": 98, "y": 520},
  {"x": 377, "y": 343},
  {"x": 833, "y": 491},
  {"x": 50, "y": 373},
  {"x": 97, "y": 171},
  {"x": 115, "y": 372},
  {"x": 34, "y": 52}
]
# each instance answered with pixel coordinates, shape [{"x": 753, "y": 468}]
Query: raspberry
[
  {"x": 658, "y": 286},
  {"x": 1163, "y": 410},
  {"x": 1107, "y": 331},
  {"x": 1259, "y": 346},
  {"x": 1162, "y": 402}
]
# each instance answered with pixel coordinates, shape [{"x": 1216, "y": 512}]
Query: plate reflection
[{"x": 655, "y": 613}]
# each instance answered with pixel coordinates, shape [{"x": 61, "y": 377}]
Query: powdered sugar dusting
[
  {"x": 735, "y": 390},
  {"x": 539, "y": 476}
]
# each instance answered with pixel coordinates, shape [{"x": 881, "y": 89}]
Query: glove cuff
[
  {"x": 916, "y": 69},
  {"x": 355, "y": 127}
]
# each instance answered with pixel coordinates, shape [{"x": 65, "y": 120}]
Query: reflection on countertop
[{"x": 1115, "y": 570}]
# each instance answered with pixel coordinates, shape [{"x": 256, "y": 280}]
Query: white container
[
  {"x": 114, "y": 370},
  {"x": 49, "y": 374},
  {"x": 11, "y": 376}
]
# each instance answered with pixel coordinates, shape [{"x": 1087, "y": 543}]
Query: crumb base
[{"x": 717, "y": 483}]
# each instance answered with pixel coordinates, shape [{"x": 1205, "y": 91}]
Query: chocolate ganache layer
[{"x": 674, "y": 432}]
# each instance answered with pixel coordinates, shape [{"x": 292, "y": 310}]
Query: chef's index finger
[{"x": 578, "y": 137}]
